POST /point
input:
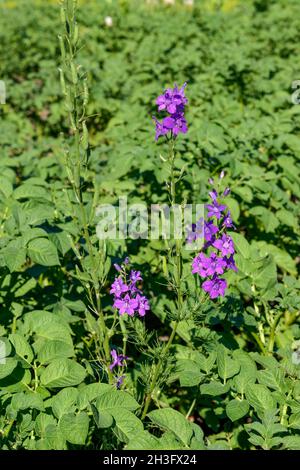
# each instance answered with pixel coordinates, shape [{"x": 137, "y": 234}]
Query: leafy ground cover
[{"x": 193, "y": 372}]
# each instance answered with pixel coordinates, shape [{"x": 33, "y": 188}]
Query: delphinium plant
[
  {"x": 218, "y": 243},
  {"x": 92, "y": 263}
]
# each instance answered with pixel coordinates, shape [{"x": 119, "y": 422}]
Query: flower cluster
[
  {"x": 128, "y": 298},
  {"x": 218, "y": 245},
  {"x": 173, "y": 102}
]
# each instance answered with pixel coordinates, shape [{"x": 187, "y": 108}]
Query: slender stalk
[
  {"x": 191, "y": 408},
  {"x": 273, "y": 331},
  {"x": 75, "y": 91},
  {"x": 178, "y": 275}
]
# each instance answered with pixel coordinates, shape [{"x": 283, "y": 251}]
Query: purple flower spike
[
  {"x": 118, "y": 359},
  {"x": 128, "y": 298},
  {"x": 215, "y": 287},
  {"x": 225, "y": 245},
  {"x": 221, "y": 247},
  {"x": 173, "y": 102}
]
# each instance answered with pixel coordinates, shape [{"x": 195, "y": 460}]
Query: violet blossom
[
  {"x": 128, "y": 297},
  {"x": 118, "y": 359},
  {"x": 173, "y": 102},
  {"x": 220, "y": 246}
]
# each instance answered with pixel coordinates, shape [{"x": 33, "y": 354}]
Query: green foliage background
[{"x": 239, "y": 61}]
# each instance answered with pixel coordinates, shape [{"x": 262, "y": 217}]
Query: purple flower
[
  {"x": 173, "y": 100},
  {"x": 118, "y": 287},
  {"x": 127, "y": 297},
  {"x": 215, "y": 209},
  {"x": 215, "y": 287},
  {"x": 119, "y": 380},
  {"x": 118, "y": 359},
  {"x": 143, "y": 304},
  {"x": 231, "y": 263},
  {"x": 126, "y": 305},
  {"x": 117, "y": 267},
  {"x": 227, "y": 221},
  {"x": 225, "y": 245},
  {"x": 215, "y": 265},
  {"x": 213, "y": 195},
  {"x": 210, "y": 230},
  {"x": 199, "y": 265},
  {"x": 160, "y": 128},
  {"x": 135, "y": 276},
  {"x": 196, "y": 231},
  {"x": 221, "y": 259}
]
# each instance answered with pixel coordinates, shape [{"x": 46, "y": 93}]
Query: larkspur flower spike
[
  {"x": 212, "y": 265},
  {"x": 172, "y": 101},
  {"x": 128, "y": 297}
]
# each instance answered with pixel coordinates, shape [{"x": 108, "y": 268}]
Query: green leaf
[
  {"x": 22, "y": 401},
  {"x": 127, "y": 424},
  {"x": 236, "y": 409},
  {"x": 7, "y": 366},
  {"x": 63, "y": 401},
  {"x": 273, "y": 378},
  {"x": 143, "y": 441},
  {"x": 62, "y": 373},
  {"x": 42, "y": 251},
  {"x": 22, "y": 347},
  {"x": 52, "y": 349},
  {"x": 214, "y": 388},
  {"x": 14, "y": 255},
  {"x": 189, "y": 372},
  {"x": 42, "y": 421},
  {"x": 90, "y": 392},
  {"x": 260, "y": 398},
  {"x": 241, "y": 244},
  {"x": 294, "y": 421},
  {"x": 108, "y": 401},
  {"x": 227, "y": 367},
  {"x": 74, "y": 428},
  {"x": 291, "y": 442},
  {"x": 173, "y": 421}
]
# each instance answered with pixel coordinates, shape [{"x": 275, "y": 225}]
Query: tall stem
[
  {"x": 75, "y": 92},
  {"x": 177, "y": 278}
]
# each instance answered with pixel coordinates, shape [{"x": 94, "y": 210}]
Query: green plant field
[{"x": 77, "y": 132}]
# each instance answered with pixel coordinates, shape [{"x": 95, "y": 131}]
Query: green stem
[
  {"x": 125, "y": 335},
  {"x": 259, "y": 342},
  {"x": 191, "y": 408},
  {"x": 74, "y": 92},
  {"x": 178, "y": 275},
  {"x": 273, "y": 331}
]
